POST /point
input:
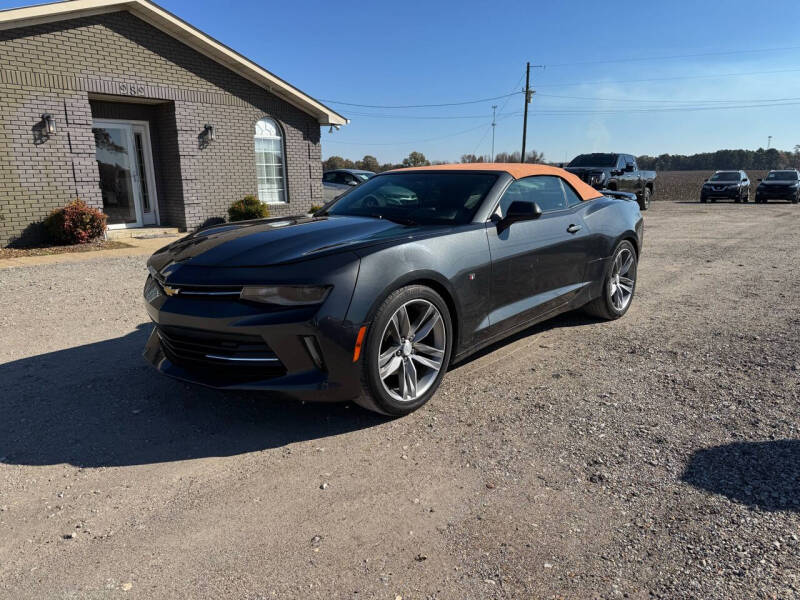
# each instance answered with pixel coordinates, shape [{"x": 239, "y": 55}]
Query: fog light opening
[{"x": 312, "y": 346}]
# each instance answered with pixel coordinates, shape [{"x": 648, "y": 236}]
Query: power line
[
  {"x": 674, "y": 56},
  {"x": 420, "y": 105},
  {"x": 719, "y": 75},
  {"x": 670, "y": 100}
]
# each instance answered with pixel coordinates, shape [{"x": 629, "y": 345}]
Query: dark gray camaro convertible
[{"x": 375, "y": 295}]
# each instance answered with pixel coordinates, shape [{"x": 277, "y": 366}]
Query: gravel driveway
[{"x": 655, "y": 456}]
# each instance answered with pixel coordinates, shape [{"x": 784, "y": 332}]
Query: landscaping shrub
[
  {"x": 76, "y": 223},
  {"x": 247, "y": 208},
  {"x": 314, "y": 208}
]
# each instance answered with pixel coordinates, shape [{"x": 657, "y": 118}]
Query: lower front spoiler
[{"x": 309, "y": 386}]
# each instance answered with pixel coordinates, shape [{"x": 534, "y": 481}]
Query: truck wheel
[{"x": 644, "y": 201}]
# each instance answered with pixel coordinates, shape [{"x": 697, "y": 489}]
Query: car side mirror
[
  {"x": 629, "y": 168},
  {"x": 352, "y": 183},
  {"x": 520, "y": 210}
]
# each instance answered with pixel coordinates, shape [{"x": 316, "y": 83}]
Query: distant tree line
[
  {"x": 417, "y": 159},
  {"x": 760, "y": 159}
]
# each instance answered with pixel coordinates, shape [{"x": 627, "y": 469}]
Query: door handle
[{"x": 573, "y": 229}]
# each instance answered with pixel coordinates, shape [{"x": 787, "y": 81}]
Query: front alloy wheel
[
  {"x": 411, "y": 351},
  {"x": 407, "y": 351}
]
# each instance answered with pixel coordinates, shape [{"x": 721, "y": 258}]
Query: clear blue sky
[{"x": 439, "y": 52}]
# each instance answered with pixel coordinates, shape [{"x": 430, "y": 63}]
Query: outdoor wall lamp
[
  {"x": 48, "y": 124},
  {"x": 208, "y": 133}
]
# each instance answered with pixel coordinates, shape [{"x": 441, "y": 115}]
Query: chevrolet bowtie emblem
[{"x": 171, "y": 291}]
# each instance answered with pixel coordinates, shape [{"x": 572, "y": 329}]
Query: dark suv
[
  {"x": 784, "y": 185},
  {"x": 730, "y": 185}
]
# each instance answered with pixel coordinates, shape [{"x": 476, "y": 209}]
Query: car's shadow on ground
[
  {"x": 759, "y": 474},
  {"x": 101, "y": 405},
  {"x": 574, "y": 318}
]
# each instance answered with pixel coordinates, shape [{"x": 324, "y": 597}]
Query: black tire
[
  {"x": 738, "y": 199},
  {"x": 602, "y": 306},
  {"x": 374, "y": 396},
  {"x": 796, "y": 198},
  {"x": 644, "y": 201},
  {"x": 703, "y": 200}
]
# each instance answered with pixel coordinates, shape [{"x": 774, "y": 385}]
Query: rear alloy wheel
[
  {"x": 619, "y": 285},
  {"x": 407, "y": 352}
]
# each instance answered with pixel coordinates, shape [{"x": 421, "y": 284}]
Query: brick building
[{"x": 124, "y": 105}]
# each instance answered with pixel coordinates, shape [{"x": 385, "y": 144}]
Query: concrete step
[{"x": 143, "y": 233}]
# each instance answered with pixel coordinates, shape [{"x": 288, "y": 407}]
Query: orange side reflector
[{"x": 359, "y": 341}]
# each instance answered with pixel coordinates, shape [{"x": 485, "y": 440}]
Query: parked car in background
[
  {"x": 616, "y": 172},
  {"x": 779, "y": 185},
  {"x": 726, "y": 185},
  {"x": 373, "y": 297},
  {"x": 337, "y": 182}
]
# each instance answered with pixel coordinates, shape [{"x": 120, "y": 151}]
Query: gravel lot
[{"x": 655, "y": 456}]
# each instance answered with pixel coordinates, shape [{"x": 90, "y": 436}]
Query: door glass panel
[
  {"x": 137, "y": 137},
  {"x": 114, "y": 162}
]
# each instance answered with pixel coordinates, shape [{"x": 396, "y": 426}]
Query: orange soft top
[{"x": 518, "y": 171}]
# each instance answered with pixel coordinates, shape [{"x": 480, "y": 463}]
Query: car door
[
  {"x": 538, "y": 265},
  {"x": 630, "y": 180}
]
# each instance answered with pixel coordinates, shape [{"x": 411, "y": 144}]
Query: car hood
[
  {"x": 275, "y": 241},
  {"x": 779, "y": 182}
]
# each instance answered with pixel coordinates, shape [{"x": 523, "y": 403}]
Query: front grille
[{"x": 216, "y": 352}]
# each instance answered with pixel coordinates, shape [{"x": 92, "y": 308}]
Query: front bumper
[
  {"x": 777, "y": 194},
  {"x": 720, "y": 195},
  {"x": 222, "y": 342}
]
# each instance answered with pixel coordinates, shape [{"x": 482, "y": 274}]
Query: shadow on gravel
[
  {"x": 573, "y": 318},
  {"x": 101, "y": 405},
  {"x": 759, "y": 474}
]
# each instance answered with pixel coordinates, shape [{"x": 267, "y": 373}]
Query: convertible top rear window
[{"x": 425, "y": 198}]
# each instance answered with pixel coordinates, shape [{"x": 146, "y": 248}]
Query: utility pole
[
  {"x": 527, "y": 101},
  {"x": 769, "y": 141},
  {"x": 494, "y": 124},
  {"x": 528, "y": 97}
]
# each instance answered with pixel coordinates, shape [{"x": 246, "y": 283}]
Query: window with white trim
[{"x": 270, "y": 162}]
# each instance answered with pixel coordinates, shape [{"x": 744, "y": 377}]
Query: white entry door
[{"x": 125, "y": 165}]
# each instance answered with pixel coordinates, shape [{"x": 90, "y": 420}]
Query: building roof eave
[{"x": 182, "y": 31}]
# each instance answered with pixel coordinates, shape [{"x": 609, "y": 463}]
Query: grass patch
[{"x": 45, "y": 250}]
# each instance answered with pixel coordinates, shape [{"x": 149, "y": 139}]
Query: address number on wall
[{"x": 132, "y": 89}]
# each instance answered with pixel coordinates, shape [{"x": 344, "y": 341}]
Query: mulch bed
[{"x": 45, "y": 250}]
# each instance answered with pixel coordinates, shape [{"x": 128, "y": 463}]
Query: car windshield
[
  {"x": 424, "y": 198},
  {"x": 363, "y": 176},
  {"x": 730, "y": 176},
  {"x": 594, "y": 160},
  {"x": 782, "y": 175}
]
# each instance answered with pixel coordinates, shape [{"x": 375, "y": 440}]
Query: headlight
[{"x": 286, "y": 295}]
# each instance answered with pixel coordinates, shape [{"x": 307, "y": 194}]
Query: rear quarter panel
[{"x": 610, "y": 220}]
